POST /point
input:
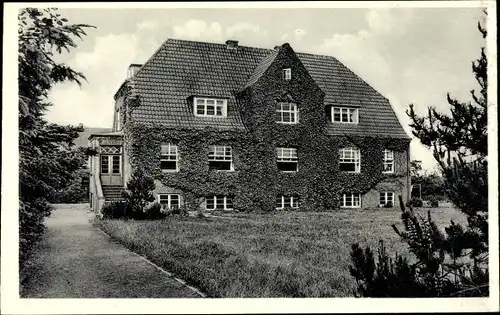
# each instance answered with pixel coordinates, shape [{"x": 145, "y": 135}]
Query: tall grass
[{"x": 269, "y": 255}]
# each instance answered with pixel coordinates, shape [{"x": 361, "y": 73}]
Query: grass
[{"x": 284, "y": 254}]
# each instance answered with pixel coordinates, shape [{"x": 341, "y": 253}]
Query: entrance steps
[{"x": 112, "y": 193}]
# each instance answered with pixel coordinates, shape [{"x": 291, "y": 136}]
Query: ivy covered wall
[{"x": 256, "y": 181}]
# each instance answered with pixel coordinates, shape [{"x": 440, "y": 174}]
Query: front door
[{"x": 111, "y": 170}]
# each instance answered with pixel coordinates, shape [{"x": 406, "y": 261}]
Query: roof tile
[{"x": 180, "y": 69}]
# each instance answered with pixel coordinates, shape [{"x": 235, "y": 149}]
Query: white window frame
[
  {"x": 287, "y": 155},
  {"x": 343, "y": 110},
  {"x": 388, "y": 161},
  {"x": 386, "y": 198},
  {"x": 294, "y": 202},
  {"x": 353, "y": 205},
  {"x": 294, "y": 112},
  {"x": 110, "y": 158},
  {"x": 287, "y": 74},
  {"x": 169, "y": 156},
  {"x": 215, "y": 198},
  {"x": 216, "y": 157},
  {"x": 355, "y": 158},
  {"x": 169, "y": 200},
  {"x": 203, "y": 102}
]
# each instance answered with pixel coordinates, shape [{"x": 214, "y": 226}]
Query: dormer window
[
  {"x": 344, "y": 115},
  {"x": 287, "y": 74},
  {"x": 210, "y": 107},
  {"x": 287, "y": 113}
]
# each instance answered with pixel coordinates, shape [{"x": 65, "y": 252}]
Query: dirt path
[{"x": 76, "y": 260}]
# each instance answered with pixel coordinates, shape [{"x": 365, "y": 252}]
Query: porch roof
[{"x": 106, "y": 134}]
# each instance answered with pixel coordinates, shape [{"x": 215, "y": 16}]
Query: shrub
[
  {"x": 154, "y": 211},
  {"x": 433, "y": 201},
  {"x": 388, "y": 205},
  {"x": 139, "y": 193},
  {"x": 416, "y": 202},
  {"x": 115, "y": 210},
  {"x": 75, "y": 193}
]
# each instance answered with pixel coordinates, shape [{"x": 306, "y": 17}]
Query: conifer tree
[
  {"x": 454, "y": 263},
  {"x": 46, "y": 159}
]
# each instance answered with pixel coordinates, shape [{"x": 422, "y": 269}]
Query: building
[{"x": 224, "y": 126}]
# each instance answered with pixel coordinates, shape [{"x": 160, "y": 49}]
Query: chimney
[
  {"x": 132, "y": 70},
  {"x": 232, "y": 44}
]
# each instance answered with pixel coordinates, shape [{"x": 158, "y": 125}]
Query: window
[
  {"x": 169, "y": 158},
  {"x": 115, "y": 165},
  {"x": 118, "y": 123},
  {"x": 287, "y": 159},
  {"x": 104, "y": 164},
  {"x": 287, "y": 113},
  {"x": 170, "y": 201},
  {"x": 351, "y": 200},
  {"x": 287, "y": 74},
  {"x": 388, "y": 161},
  {"x": 350, "y": 160},
  {"x": 220, "y": 158},
  {"x": 210, "y": 107},
  {"x": 110, "y": 164},
  {"x": 219, "y": 203},
  {"x": 344, "y": 115},
  {"x": 287, "y": 202},
  {"x": 385, "y": 198}
]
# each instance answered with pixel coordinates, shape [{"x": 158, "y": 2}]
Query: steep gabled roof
[
  {"x": 261, "y": 68},
  {"x": 181, "y": 69}
]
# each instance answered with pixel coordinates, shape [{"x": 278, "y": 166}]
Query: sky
[{"x": 410, "y": 55}]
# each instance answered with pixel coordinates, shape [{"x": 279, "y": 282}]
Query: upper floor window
[
  {"x": 219, "y": 203},
  {"x": 210, "y": 107},
  {"x": 344, "y": 115},
  {"x": 350, "y": 160},
  {"x": 387, "y": 199},
  {"x": 388, "y": 161},
  {"x": 287, "y": 74},
  {"x": 169, "y": 158},
  {"x": 287, "y": 113},
  {"x": 170, "y": 201},
  {"x": 220, "y": 158},
  {"x": 287, "y": 159},
  {"x": 287, "y": 202},
  {"x": 351, "y": 200},
  {"x": 118, "y": 122}
]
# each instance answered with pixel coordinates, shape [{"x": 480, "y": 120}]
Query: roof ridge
[
  {"x": 150, "y": 58},
  {"x": 218, "y": 44}
]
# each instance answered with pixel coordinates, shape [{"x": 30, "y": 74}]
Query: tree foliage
[
  {"x": 46, "y": 159},
  {"x": 139, "y": 191},
  {"x": 453, "y": 263}
]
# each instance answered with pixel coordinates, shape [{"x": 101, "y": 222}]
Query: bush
[
  {"x": 115, "y": 210},
  {"x": 138, "y": 194},
  {"x": 388, "y": 205},
  {"x": 75, "y": 193},
  {"x": 416, "y": 202},
  {"x": 154, "y": 211},
  {"x": 433, "y": 201}
]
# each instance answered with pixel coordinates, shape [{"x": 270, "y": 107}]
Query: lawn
[{"x": 283, "y": 254}]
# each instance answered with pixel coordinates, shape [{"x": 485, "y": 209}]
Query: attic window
[
  {"x": 344, "y": 115},
  {"x": 287, "y": 74},
  {"x": 210, "y": 107}
]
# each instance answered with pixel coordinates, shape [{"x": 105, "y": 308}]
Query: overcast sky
[{"x": 410, "y": 55}]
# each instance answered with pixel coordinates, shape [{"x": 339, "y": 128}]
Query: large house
[{"x": 230, "y": 127}]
